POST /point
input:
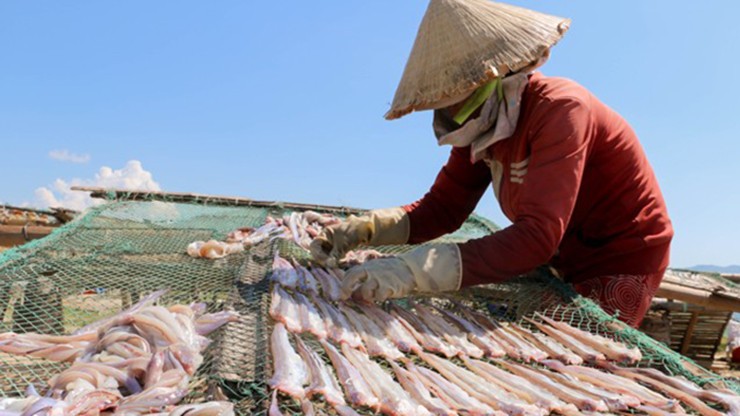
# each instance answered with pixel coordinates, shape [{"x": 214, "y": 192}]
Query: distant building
[{"x": 20, "y": 225}]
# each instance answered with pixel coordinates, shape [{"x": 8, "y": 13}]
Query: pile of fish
[
  {"x": 134, "y": 363},
  {"x": 301, "y": 227},
  {"x": 427, "y": 359}
]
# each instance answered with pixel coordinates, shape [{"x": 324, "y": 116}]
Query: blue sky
[{"x": 284, "y": 100}]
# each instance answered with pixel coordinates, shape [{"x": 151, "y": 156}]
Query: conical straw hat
[{"x": 463, "y": 44}]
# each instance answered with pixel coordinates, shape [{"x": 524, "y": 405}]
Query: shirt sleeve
[
  {"x": 452, "y": 198},
  {"x": 558, "y": 150}
]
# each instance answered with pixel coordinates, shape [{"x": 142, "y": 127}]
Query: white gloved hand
[
  {"x": 377, "y": 227},
  {"x": 431, "y": 268}
]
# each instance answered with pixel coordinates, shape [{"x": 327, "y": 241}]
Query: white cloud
[
  {"x": 131, "y": 177},
  {"x": 65, "y": 155}
]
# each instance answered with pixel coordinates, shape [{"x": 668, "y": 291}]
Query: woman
[{"x": 568, "y": 171}]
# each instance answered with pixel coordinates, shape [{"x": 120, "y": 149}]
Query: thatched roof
[
  {"x": 19, "y": 225},
  {"x": 12, "y": 215},
  {"x": 706, "y": 290}
]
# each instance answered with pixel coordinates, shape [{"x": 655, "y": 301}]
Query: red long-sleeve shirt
[{"x": 575, "y": 183}]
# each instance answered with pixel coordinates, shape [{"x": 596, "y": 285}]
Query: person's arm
[
  {"x": 559, "y": 149},
  {"x": 454, "y": 195},
  {"x": 558, "y": 155},
  {"x": 452, "y": 198}
]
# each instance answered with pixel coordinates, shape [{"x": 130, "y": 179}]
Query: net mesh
[{"x": 117, "y": 252}]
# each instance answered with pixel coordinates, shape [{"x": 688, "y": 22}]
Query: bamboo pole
[
  {"x": 177, "y": 197},
  {"x": 689, "y": 334}
]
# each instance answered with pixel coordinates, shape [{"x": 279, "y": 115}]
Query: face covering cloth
[{"x": 497, "y": 119}]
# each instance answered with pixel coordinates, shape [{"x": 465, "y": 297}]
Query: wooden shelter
[
  {"x": 19, "y": 225},
  {"x": 691, "y": 311}
]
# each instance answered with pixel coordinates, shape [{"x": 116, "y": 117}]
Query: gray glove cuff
[{"x": 390, "y": 226}]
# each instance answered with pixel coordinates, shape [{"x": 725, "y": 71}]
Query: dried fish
[
  {"x": 289, "y": 373},
  {"x": 307, "y": 408},
  {"x": 655, "y": 411},
  {"x": 567, "y": 393},
  {"x": 376, "y": 342},
  {"x": 393, "y": 327},
  {"x": 611, "y": 349},
  {"x": 476, "y": 334},
  {"x": 516, "y": 385},
  {"x": 687, "y": 398},
  {"x": 205, "y": 324},
  {"x": 154, "y": 345},
  {"x": 121, "y": 378},
  {"x": 250, "y": 237},
  {"x": 274, "y": 406},
  {"x": 345, "y": 411},
  {"x": 169, "y": 390},
  {"x": 307, "y": 283},
  {"x": 356, "y": 388},
  {"x": 482, "y": 390},
  {"x": 284, "y": 308},
  {"x": 147, "y": 300},
  {"x": 420, "y": 393},
  {"x": 321, "y": 219},
  {"x": 612, "y": 382},
  {"x": 727, "y": 399},
  {"x": 204, "y": 409},
  {"x": 284, "y": 273},
  {"x": 448, "y": 331},
  {"x": 450, "y": 393},
  {"x": 356, "y": 257},
  {"x": 31, "y": 405},
  {"x": 322, "y": 380},
  {"x": 296, "y": 230},
  {"x": 154, "y": 369},
  {"x": 614, "y": 401},
  {"x": 299, "y": 227},
  {"x": 527, "y": 351},
  {"x": 156, "y": 331},
  {"x": 22, "y": 344},
  {"x": 311, "y": 320},
  {"x": 331, "y": 287},
  {"x": 553, "y": 348},
  {"x": 393, "y": 398},
  {"x": 213, "y": 249},
  {"x": 93, "y": 402},
  {"x": 422, "y": 333},
  {"x": 339, "y": 329},
  {"x": 495, "y": 332},
  {"x": 583, "y": 350}
]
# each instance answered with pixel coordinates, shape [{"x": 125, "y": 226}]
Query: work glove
[
  {"x": 376, "y": 228},
  {"x": 426, "y": 269}
]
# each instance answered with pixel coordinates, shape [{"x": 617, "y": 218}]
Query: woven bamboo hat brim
[{"x": 463, "y": 44}]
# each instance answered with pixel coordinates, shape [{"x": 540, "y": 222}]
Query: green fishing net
[{"x": 117, "y": 252}]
